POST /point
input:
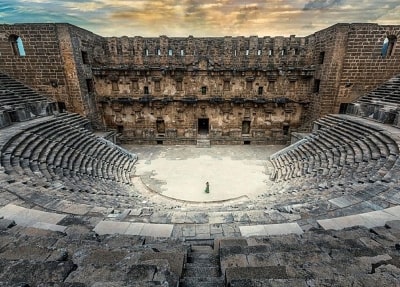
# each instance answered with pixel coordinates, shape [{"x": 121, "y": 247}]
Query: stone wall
[
  {"x": 328, "y": 48},
  {"x": 180, "y": 121},
  {"x": 42, "y": 66},
  {"x": 239, "y": 52},
  {"x": 353, "y": 63},
  {"x": 79, "y": 49},
  {"x": 364, "y": 67},
  {"x": 249, "y": 89},
  {"x": 133, "y": 83},
  {"x": 52, "y": 63}
]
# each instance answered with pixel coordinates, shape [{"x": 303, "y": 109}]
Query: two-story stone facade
[{"x": 172, "y": 90}]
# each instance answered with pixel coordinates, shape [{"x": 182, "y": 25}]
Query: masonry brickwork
[
  {"x": 226, "y": 89},
  {"x": 52, "y": 63},
  {"x": 42, "y": 64},
  {"x": 353, "y": 63}
]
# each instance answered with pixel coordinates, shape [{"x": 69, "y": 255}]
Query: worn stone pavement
[{"x": 181, "y": 172}]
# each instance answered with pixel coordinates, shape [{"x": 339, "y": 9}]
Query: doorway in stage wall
[
  {"x": 160, "y": 125},
  {"x": 203, "y": 126},
  {"x": 246, "y": 127}
]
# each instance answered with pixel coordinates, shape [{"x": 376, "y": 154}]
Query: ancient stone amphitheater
[
  {"x": 74, "y": 210},
  {"x": 73, "y": 213}
]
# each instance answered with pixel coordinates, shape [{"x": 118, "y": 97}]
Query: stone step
[
  {"x": 202, "y": 249},
  {"x": 202, "y": 282},
  {"x": 203, "y": 260},
  {"x": 275, "y": 282},
  {"x": 193, "y": 270},
  {"x": 203, "y": 143},
  {"x": 200, "y": 242}
]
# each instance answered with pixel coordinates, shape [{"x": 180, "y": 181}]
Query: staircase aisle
[{"x": 202, "y": 268}]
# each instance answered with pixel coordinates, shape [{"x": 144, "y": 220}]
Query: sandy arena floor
[{"x": 181, "y": 172}]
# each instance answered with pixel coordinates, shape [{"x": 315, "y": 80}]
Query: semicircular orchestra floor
[{"x": 181, "y": 172}]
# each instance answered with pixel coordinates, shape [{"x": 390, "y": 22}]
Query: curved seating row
[
  {"x": 342, "y": 146},
  {"x": 381, "y": 104},
  {"x": 13, "y": 92},
  {"x": 59, "y": 148},
  {"x": 20, "y": 103},
  {"x": 57, "y": 152},
  {"x": 386, "y": 94}
]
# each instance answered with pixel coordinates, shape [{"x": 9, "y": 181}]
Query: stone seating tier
[
  {"x": 341, "y": 145},
  {"x": 69, "y": 253},
  {"x": 8, "y": 83},
  {"x": 353, "y": 257},
  {"x": 40, "y": 183},
  {"x": 345, "y": 173},
  {"x": 61, "y": 146},
  {"x": 75, "y": 256},
  {"x": 380, "y": 105},
  {"x": 386, "y": 94},
  {"x": 20, "y": 103}
]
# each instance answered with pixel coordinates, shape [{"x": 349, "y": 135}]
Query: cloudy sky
[{"x": 201, "y": 17}]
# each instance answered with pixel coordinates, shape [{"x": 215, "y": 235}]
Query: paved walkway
[
  {"x": 368, "y": 219},
  {"x": 47, "y": 220},
  {"x": 32, "y": 218},
  {"x": 270, "y": 229},
  {"x": 134, "y": 228}
]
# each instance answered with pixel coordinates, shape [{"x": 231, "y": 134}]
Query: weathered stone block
[
  {"x": 5, "y": 119},
  {"x": 141, "y": 272},
  {"x": 269, "y": 272},
  {"x": 175, "y": 260}
]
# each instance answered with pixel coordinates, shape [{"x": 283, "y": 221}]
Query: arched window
[
  {"x": 388, "y": 46},
  {"x": 17, "y": 45}
]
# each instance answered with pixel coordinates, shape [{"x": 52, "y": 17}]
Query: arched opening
[
  {"x": 17, "y": 45},
  {"x": 389, "y": 45}
]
